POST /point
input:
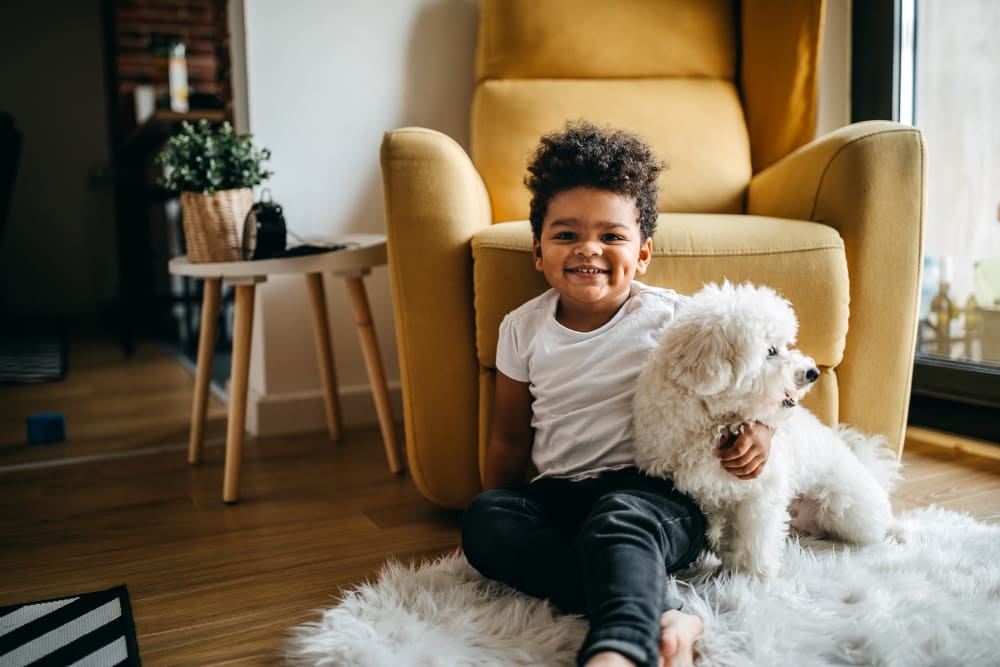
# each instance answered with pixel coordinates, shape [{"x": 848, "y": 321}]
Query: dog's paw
[
  {"x": 766, "y": 571},
  {"x": 714, "y": 534},
  {"x": 803, "y": 514},
  {"x": 742, "y": 563},
  {"x": 897, "y": 533},
  {"x": 759, "y": 573}
]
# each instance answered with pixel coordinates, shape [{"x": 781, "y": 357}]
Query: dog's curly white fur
[{"x": 726, "y": 360}]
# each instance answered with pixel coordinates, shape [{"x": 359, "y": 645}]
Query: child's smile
[
  {"x": 590, "y": 251},
  {"x": 587, "y": 271}
]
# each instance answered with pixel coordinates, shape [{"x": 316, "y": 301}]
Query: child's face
[{"x": 590, "y": 247}]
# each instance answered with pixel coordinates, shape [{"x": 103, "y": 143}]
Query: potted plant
[{"x": 215, "y": 170}]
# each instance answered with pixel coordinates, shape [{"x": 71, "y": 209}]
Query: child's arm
[
  {"x": 509, "y": 448},
  {"x": 743, "y": 455}
]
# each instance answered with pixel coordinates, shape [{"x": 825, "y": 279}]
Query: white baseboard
[{"x": 303, "y": 412}]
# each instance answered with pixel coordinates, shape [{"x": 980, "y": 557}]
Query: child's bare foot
[
  {"x": 678, "y": 633},
  {"x": 609, "y": 659}
]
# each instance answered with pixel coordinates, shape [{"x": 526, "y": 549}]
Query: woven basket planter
[{"x": 213, "y": 224}]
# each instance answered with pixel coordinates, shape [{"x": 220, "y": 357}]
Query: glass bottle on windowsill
[
  {"x": 973, "y": 329},
  {"x": 944, "y": 311}
]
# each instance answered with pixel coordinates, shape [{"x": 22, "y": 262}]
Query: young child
[{"x": 590, "y": 532}]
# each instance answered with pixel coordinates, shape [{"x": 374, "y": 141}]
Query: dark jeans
[{"x": 601, "y": 547}]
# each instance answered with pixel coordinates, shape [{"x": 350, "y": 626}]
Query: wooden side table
[{"x": 352, "y": 264}]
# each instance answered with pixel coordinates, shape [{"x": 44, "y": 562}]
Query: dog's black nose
[{"x": 812, "y": 375}]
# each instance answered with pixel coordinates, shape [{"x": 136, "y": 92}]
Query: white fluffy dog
[{"x": 724, "y": 361}]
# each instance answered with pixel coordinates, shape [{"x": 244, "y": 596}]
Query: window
[{"x": 934, "y": 64}]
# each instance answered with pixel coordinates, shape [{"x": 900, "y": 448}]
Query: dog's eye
[{"x": 772, "y": 351}]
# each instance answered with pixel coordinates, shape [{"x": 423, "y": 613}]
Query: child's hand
[{"x": 744, "y": 454}]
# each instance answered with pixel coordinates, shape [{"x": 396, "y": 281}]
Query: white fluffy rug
[{"x": 932, "y": 600}]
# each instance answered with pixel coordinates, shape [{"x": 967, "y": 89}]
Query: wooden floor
[{"x": 213, "y": 584}]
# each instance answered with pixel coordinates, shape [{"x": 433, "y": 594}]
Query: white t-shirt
[{"x": 583, "y": 382}]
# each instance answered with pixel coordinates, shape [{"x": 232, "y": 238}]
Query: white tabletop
[{"x": 363, "y": 252}]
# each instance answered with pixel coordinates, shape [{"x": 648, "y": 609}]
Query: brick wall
[{"x": 135, "y": 26}]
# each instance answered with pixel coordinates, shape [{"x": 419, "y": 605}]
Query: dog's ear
[{"x": 697, "y": 358}]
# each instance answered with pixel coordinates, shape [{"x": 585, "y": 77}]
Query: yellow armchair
[{"x": 726, "y": 94}]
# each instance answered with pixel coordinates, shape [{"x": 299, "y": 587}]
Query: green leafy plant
[{"x": 206, "y": 158}]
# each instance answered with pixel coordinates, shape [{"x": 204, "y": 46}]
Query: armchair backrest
[{"x": 720, "y": 88}]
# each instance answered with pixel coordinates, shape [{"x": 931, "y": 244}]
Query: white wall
[{"x": 325, "y": 80}]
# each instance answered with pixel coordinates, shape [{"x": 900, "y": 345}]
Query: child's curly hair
[{"x": 585, "y": 155}]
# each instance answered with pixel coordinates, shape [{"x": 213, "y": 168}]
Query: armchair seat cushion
[{"x": 804, "y": 261}]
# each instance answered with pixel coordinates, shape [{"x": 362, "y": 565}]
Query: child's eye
[
  {"x": 772, "y": 351},
  {"x": 611, "y": 238},
  {"x": 564, "y": 236}
]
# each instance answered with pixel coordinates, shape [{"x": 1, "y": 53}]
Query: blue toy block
[{"x": 46, "y": 427}]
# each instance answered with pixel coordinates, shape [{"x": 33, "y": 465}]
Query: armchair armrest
[
  {"x": 435, "y": 201},
  {"x": 866, "y": 180}
]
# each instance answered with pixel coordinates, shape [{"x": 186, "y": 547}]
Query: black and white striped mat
[
  {"x": 31, "y": 359},
  {"x": 93, "y": 629}
]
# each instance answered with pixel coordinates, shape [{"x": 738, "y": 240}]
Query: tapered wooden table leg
[
  {"x": 324, "y": 354},
  {"x": 362, "y": 252},
  {"x": 242, "y": 330},
  {"x": 211, "y": 291},
  {"x": 376, "y": 375}
]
